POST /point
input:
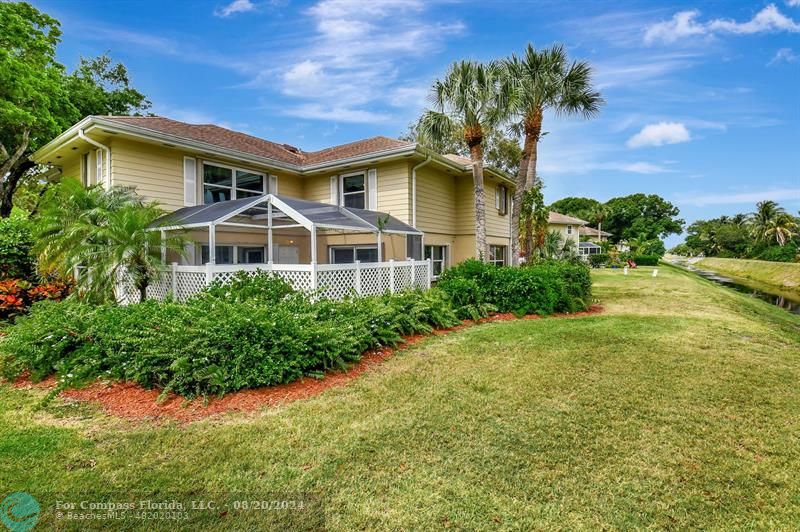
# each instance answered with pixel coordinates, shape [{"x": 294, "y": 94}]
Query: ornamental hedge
[
  {"x": 259, "y": 331},
  {"x": 542, "y": 288}
]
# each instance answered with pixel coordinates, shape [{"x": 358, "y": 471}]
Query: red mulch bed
[{"x": 131, "y": 401}]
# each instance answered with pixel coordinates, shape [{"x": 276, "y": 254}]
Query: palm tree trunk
[
  {"x": 476, "y": 153},
  {"x": 516, "y": 208},
  {"x": 533, "y": 130}
]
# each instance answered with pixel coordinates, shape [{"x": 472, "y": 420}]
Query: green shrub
[
  {"x": 787, "y": 253},
  {"x": 597, "y": 260},
  {"x": 253, "y": 332},
  {"x": 542, "y": 288},
  {"x": 646, "y": 260},
  {"x": 16, "y": 258}
]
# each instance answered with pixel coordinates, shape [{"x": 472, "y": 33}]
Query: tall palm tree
[
  {"x": 105, "y": 232},
  {"x": 764, "y": 219},
  {"x": 469, "y": 102},
  {"x": 542, "y": 80},
  {"x": 598, "y": 215},
  {"x": 781, "y": 228}
]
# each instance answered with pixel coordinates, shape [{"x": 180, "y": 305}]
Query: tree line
[
  {"x": 39, "y": 98},
  {"x": 768, "y": 233}
]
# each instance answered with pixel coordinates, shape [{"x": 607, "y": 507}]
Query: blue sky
[{"x": 702, "y": 97}]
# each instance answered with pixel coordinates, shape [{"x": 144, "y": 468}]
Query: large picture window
[
  {"x": 497, "y": 255},
  {"x": 354, "y": 191},
  {"x": 237, "y": 255},
  {"x": 350, "y": 254},
  {"x": 223, "y": 183},
  {"x": 438, "y": 256}
]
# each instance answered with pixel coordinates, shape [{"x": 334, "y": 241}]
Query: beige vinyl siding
[
  {"x": 289, "y": 185},
  {"x": 562, "y": 228},
  {"x": 394, "y": 190},
  {"x": 436, "y": 201},
  {"x": 72, "y": 167},
  {"x": 155, "y": 172},
  {"x": 465, "y": 206},
  {"x": 496, "y": 224}
]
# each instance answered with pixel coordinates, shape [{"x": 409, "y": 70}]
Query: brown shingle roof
[
  {"x": 458, "y": 159},
  {"x": 219, "y": 136},
  {"x": 353, "y": 149},
  {"x": 558, "y": 218},
  {"x": 591, "y": 231},
  {"x": 234, "y": 140}
]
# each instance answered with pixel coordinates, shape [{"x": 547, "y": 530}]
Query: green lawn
[{"x": 679, "y": 407}]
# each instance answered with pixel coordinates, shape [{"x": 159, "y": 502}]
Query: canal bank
[{"x": 776, "y": 295}]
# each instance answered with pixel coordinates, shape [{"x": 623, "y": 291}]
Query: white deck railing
[{"x": 333, "y": 281}]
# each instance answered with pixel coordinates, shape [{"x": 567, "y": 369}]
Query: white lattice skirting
[{"x": 332, "y": 281}]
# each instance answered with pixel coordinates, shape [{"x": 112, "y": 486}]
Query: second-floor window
[
  {"x": 223, "y": 183},
  {"x": 354, "y": 190},
  {"x": 501, "y": 199}
]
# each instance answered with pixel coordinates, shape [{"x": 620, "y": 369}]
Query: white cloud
[
  {"x": 784, "y": 55},
  {"x": 660, "y": 134},
  {"x": 684, "y": 25},
  {"x": 681, "y": 25},
  {"x": 783, "y": 194},
  {"x": 237, "y": 6},
  {"x": 356, "y": 56},
  {"x": 793, "y": 3},
  {"x": 315, "y": 111}
]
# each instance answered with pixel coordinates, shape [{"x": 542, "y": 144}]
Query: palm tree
[
  {"x": 782, "y": 228},
  {"x": 766, "y": 212},
  {"x": 469, "y": 102},
  {"x": 598, "y": 215},
  {"x": 106, "y": 233},
  {"x": 538, "y": 81}
]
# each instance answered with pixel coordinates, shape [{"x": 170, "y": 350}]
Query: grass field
[
  {"x": 784, "y": 275},
  {"x": 679, "y": 407}
]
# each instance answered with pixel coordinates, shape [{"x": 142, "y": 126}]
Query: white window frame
[
  {"x": 569, "y": 229},
  {"x": 342, "y": 193},
  {"x": 505, "y": 255},
  {"x": 232, "y": 188},
  {"x": 354, "y": 247},
  {"x": 443, "y": 260}
]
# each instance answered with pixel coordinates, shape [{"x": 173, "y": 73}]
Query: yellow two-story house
[{"x": 187, "y": 168}]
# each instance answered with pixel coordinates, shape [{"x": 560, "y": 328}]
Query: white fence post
[
  {"x": 413, "y": 273},
  {"x": 430, "y": 272},
  {"x": 391, "y": 276},
  {"x": 271, "y": 267},
  {"x": 174, "y": 280},
  {"x": 358, "y": 277},
  {"x": 313, "y": 276},
  {"x": 209, "y": 273}
]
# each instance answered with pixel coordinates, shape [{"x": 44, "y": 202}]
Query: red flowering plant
[{"x": 16, "y": 295}]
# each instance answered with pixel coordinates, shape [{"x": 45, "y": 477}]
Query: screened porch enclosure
[
  {"x": 255, "y": 230},
  {"x": 336, "y": 251}
]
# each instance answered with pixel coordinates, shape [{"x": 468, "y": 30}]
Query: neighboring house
[
  {"x": 592, "y": 234},
  {"x": 568, "y": 226},
  {"x": 429, "y": 197}
]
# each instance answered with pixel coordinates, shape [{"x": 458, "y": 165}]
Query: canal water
[{"x": 786, "y": 300}]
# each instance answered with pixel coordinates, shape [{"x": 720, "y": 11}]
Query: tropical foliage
[
  {"x": 542, "y": 80},
  {"x": 768, "y": 233},
  {"x": 39, "y": 99},
  {"x": 468, "y": 103},
  {"x": 103, "y": 233}
]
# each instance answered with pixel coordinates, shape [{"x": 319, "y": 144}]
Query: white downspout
[
  {"x": 106, "y": 150},
  {"x": 414, "y": 190}
]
